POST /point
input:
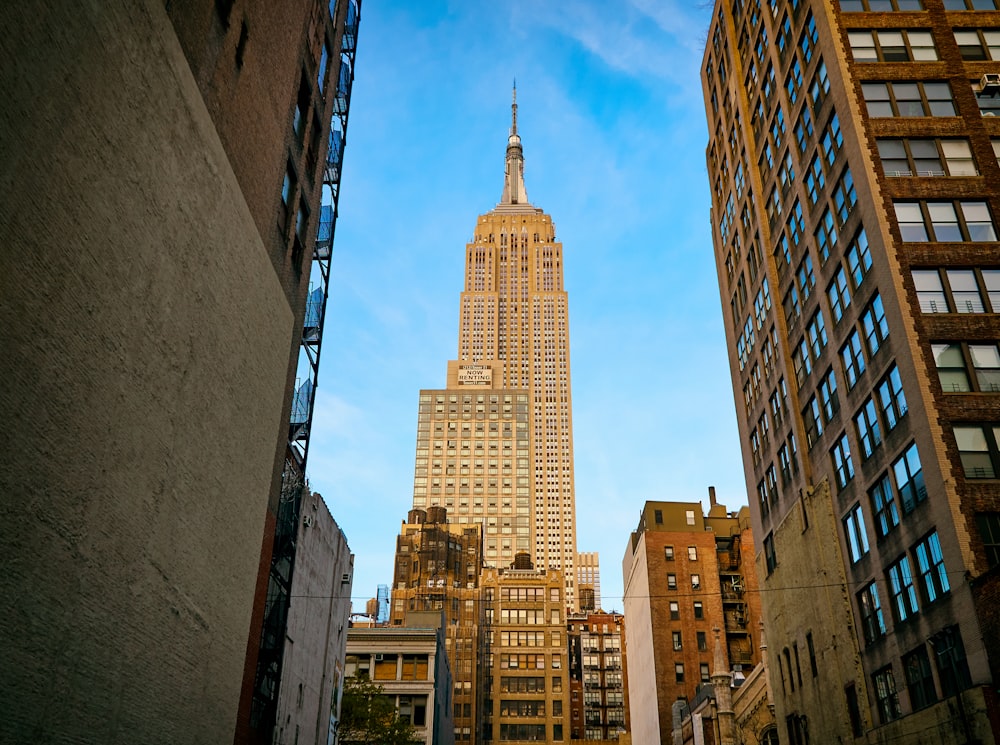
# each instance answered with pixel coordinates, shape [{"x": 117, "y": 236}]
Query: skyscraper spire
[
  {"x": 513, "y": 184},
  {"x": 513, "y": 110}
]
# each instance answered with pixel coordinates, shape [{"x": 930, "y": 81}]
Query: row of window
[
  {"x": 957, "y": 290},
  {"x": 951, "y": 221},
  {"x": 917, "y": 45},
  {"x": 921, "y": 98},
  {"x": 951, "y": 667},
  {"x": 883, "y": 6},
  {"x": 901, "y": 583}
]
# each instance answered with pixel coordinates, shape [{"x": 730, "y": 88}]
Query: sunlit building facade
[{"x": 852, "y": 158}]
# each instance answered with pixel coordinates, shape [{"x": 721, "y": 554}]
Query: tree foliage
[{"x": 368, "y": 716}]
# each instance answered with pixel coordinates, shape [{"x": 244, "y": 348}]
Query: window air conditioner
[{"x": 989, "y": 84}]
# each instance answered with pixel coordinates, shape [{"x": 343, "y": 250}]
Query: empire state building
[{"x": 496, "y": 447}]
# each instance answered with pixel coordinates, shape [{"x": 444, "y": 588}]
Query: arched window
[{"x": 769, "y": 736}]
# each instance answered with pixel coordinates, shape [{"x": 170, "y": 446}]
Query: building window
[
  {"x": 908, "y": 99},
  {"x": 671, "y": 581},
  {"x": 885, "y": 695},
  {"x": 820, "y": 85},
  {"x": 951, "y": 362},
  {"x": 843, "y": 466},
  {"x": 287, "y": 197},
  {"x": 859, "y": 259},
  {"x": 838, "y": 294},
  {"x": 909, "y": 479},
  {"x": 977, "y": 446},
  {"x": 879, "y": 6},
  {"x": 825, "y": 235},
  {"x": 904, "y": 595},
  {"x": 883, "y": 507},
  {"x": 875, "y": 325},
  {"x": 892, "y": 46},
  {"x": 969, "y": 290},
  {"x": 699, "y": 610},
  {"x": 930, "y": 562},
  {"x": 989, "y": 532},
  {"x": 969, "y": 5},
  {"x": 658, "y": 516},
  {"x": 770, "y": 560},
  {"x": 678, "y": 644},
  {"x": 816, "y": 335},
  {"x": 679, "y": 672},
  {"x": 917, "y": 157},
  {"x": 872, "y": 620},
  {"x": 892, "y": 402},
  {"x": 944, "y": 221},
  {"x": 857, "y": 535},
  {"x": 668, "y": 553},
  {"x": 977, "y": 44},
  {"x": 813, "y": 421},
  {"x": 853, "y": 359},
  {"x": 828, "y": 395},
  {"x": 695, "y": 581},
  {"x": 953, "y": 668},
  {"x": 919, "y": 679},
  {"x": 702, "y": 641},
  {"x": 689, "y": 517},
  {"x": 675, "y": 610},
  {"x": 867, "y": 427}
]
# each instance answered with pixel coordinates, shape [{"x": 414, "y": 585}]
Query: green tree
[{"x": 369, "y": 717}]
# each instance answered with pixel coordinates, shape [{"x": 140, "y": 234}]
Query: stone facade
[{"x": 527, "y": 670}]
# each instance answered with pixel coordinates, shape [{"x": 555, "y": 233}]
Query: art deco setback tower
[
  {"x": 513, "y": 339},
  {"x": 856, "y": 192}
]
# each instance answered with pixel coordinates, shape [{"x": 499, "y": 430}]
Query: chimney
[{"x": 711, "y": 495}]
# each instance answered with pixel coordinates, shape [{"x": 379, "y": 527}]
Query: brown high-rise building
[
  {"x": 508, "y": 393},
  {"x": 437, "y": 569},
  {"x": 855, "y": 190},
  {"x": 685, "y": 575},
  {"x": 527, "y": 684}
]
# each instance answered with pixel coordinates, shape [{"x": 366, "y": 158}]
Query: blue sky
[{"x": 613, "y": 127}]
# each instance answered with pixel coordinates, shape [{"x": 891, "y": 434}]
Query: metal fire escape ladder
[{"x": 269, "y": 662}]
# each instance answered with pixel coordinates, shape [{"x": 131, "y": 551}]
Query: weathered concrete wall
[
  {"x": 643, "y": 708},
  {"x": 312, "y": 672},
  {"x": 145, "y": 342}
]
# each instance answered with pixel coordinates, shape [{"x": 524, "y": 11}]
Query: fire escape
[
  {"x": 269, "y": 661},
  {"x": 734, "y": 606}
]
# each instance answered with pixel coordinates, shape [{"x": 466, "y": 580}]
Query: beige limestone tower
[{"x": 514, "y": 348}]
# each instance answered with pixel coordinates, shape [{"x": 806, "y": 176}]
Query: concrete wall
[
  {"x": 640, "y": 660},
  {"x": 315, "y": 646},
  {"x": 145, "y": 343}
]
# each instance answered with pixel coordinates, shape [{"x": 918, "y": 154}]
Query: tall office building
[
  {"x": 496, "y": 447},
  {"x": 855, "y": 190},
  {"x": 438, "y": 564},
  {"x": 527, "y": 690}
]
